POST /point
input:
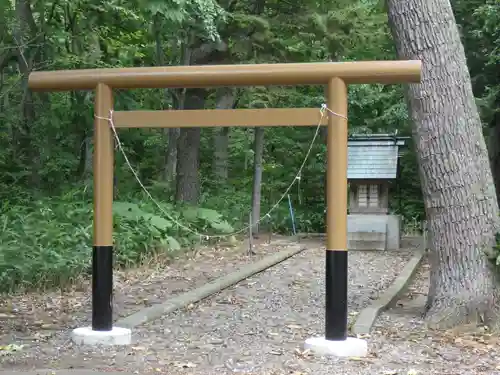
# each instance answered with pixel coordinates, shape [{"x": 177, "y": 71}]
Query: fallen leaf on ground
[
  {"x": 7, "y": 349},
  {"x": 303, "y": 354}
]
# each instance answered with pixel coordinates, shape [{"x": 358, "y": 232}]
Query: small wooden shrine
[{"x": 372, "y": 165}]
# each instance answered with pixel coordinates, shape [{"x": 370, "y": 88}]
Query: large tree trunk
[
  {"x": 258, "y": 149},
  {"x": 188, "y": 144},
  {"x": 188, "y": 153},
  {"x": 225, "y": 100},
  {"x": 457, "y": 184}
]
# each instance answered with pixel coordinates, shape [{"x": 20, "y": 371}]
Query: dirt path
[{"x": 255, "y": 327}]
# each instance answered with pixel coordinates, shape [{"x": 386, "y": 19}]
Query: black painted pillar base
[
  {"x": 102, "y": 288},
  {"x": 336, "y": 295}
]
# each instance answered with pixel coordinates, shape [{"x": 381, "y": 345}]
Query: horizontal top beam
[{"x": 228, "y": 75}]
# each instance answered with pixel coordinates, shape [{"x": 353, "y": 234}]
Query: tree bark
[
  {"x": 457, "y": 183},
  {"x": 24, "y": 31},
  {"x": 225, "y": 100},
  {"x": 257, "y": 178},
  {"x": 188, "y": 153},
  {"x": 171, "y": 154},
  {"x": 171, "y": 133}
]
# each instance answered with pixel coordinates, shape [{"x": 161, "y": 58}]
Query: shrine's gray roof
[{"x": 373, "y": 157}]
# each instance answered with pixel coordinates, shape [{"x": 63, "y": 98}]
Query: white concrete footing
[
  {"x": 117, "y": 336},
  {"x": 351, "y": 347}
]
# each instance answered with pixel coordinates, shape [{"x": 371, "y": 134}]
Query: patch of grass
[{"x": 47, "y": 242}]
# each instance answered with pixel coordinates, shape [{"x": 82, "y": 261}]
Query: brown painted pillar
[
  {"x": 336, "y": 220},
  {"x": 102, "y": 252}
]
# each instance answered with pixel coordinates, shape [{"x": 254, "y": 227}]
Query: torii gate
[{"x": 335, "y": 75}]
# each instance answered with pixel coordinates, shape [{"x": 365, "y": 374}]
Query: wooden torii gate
[{"x": 336, "y": 76}]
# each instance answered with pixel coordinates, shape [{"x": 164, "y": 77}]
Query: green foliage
[
  {"x": 478, "y": 21},
  {"x": 46, "y": 139},
  {"x": 200, "y": 16},
  {"x": 48, "y": 241}
]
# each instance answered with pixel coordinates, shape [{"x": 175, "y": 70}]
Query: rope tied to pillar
[{"x": 323, "y": 110}]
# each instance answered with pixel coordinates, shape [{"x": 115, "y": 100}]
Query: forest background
[{"x": 202, "y": 177}]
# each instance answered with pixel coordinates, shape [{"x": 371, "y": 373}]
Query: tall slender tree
[{"x": 457, "y": 183}]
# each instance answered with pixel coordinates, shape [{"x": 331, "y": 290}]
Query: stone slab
[
  {"x": 367, "y": 316},
  {"x": 389, "y": 225},
  {"x": 215, "y": 286}
]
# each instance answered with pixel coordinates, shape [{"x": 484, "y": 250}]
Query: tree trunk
[
  {"x": 221, "y": 156},
  {"x": 257, "y": 178},
  {"x": 225, "y": 100},
  {"x": 171, "y": 154},
  {"x": 188, "y": 145},
  {"x": 457, "y": 184},
  {"x": 25, "y": 33},
  {"x": 172, "y": 133},
  {"x": 82, "y": 125},
  {"x": 188, "y": 153}
]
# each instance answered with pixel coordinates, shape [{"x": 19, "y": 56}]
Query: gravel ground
[
  {"x": 25, "y": 315},
  {"x": 256, "y": 327},
  {"x": 259, "y": 326},
  {"x": 400, "y": 334}
]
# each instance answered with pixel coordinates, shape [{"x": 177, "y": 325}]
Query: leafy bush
[
  {"x": 48, "y": 242},
  {"x": 311, "y": 220}
]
